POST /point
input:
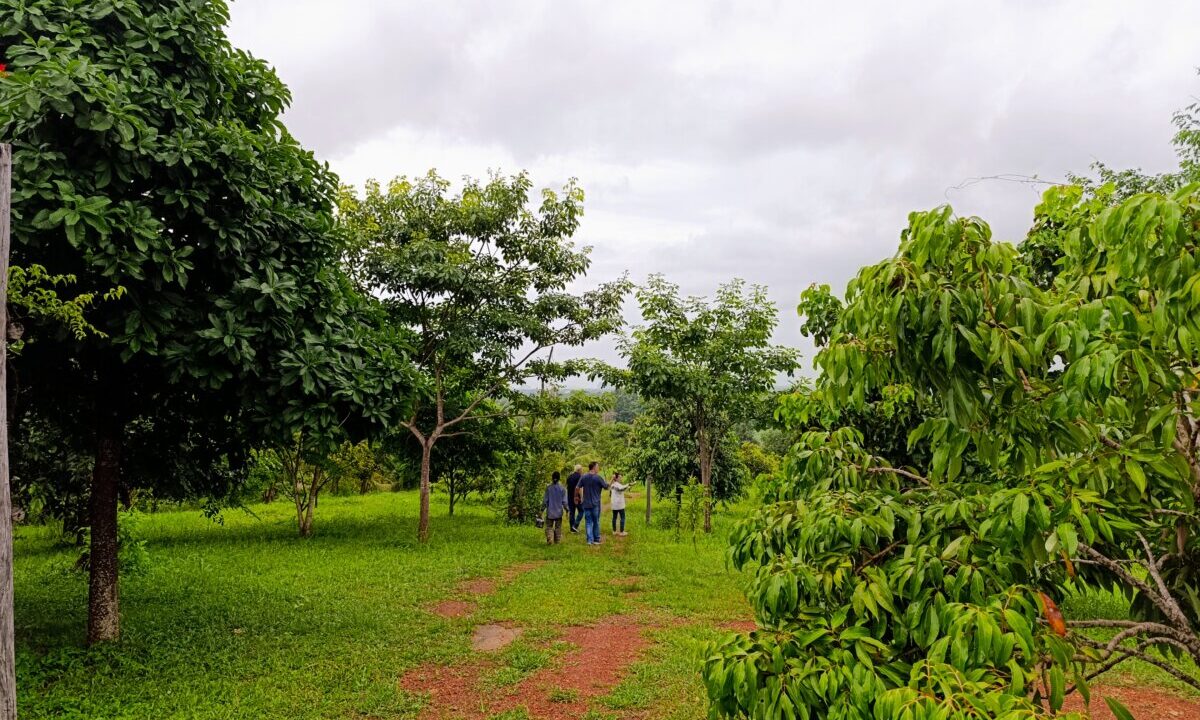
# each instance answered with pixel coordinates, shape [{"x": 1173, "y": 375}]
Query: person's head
[
  {"x": 616, "y": 476},
  {"x": 593, "y": 466},
  {"x": 578, "y": 468},
  {"x": 554, "y": 476}
]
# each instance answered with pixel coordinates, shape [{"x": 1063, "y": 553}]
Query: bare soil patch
[
  {"x": 512, "y": 572},
  {"x": 629, "y": 581},
  {"x": 601, "y": 656},
  {"x": 487, "y": 586},
  {"x": 744, "y": 625},
  {"x": 453, "y": 608},
  {"x": 478, "y": 586},
  {"x": 490, "y": 638},
  {"x": 1142, "y": 702}
]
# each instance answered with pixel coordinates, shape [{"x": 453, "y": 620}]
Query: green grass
[
  {"x": 1100, "y": 604},
  {"x": 246, "y": 620}
]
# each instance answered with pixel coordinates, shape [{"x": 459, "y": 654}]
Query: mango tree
[
  {"x": 481, "y": 279},
  {"x": 1058, "y": 450},
  {"x": 713, "y": 361}
]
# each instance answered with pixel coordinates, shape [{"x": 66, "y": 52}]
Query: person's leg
[
  {"x": 587, "y": 525},
  {"x": 614, "y": 521},
  {"x": 549, "y": 528},
  {"x": 593, "y": 520},
  {"x": 622, "y": 511},
  {"x": 558, "y": 531}
]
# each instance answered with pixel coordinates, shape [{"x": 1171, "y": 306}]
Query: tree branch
[
  {"x": 894, "y": 471},
  {"x": 491, "y": 390}
]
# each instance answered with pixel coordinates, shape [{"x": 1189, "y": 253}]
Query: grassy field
[{"x": 246, "y": 620}]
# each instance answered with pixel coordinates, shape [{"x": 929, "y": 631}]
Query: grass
[
  {"x": 1103, "y": 605},
  {"x": 246, "y": 620}
]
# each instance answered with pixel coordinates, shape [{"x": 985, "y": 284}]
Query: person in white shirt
[{"x": 616, "y": 499}]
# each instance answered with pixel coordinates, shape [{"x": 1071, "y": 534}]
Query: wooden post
[
  {"x": 8, "y": 670},
  {"x": 649, "y": 492}
]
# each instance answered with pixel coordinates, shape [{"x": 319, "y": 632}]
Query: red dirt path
[
  {"x": 1144, "y": 703},
  {"x": 453, "y": 608},
  {"x": 602, "y": 654}
]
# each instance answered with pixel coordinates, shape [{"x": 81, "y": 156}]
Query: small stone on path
[{"x": 490, "y": 638}]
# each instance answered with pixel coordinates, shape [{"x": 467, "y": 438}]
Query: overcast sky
[{"x": 779, "y": 142}]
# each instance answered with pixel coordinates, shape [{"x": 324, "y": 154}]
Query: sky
[{"x": 783, "y": 143}]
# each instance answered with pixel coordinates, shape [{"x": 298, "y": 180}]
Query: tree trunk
[
  {"x": 426, "y": 458},
  {"x": 649, "y": 492},
  {"x": 104, "y": 618},
  {"x": 8, "y": 676},
  {"x": 450, "y": 485},
  {"x": 706, "y": 479},
  {"x": 306, "y": 519}
]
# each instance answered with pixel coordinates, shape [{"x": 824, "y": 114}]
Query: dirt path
[
  {"x": 457, "y": 608},
  {"x": 600, "y": 656},
  {"x": 1144, "y": 703}
]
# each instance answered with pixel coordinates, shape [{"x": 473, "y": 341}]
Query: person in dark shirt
[
  {"x": 574, "y": 512},
  {"x": 591, "y": 486},
  {"x": 554, "y": 503}
]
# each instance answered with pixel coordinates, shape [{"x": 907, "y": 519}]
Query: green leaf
[
  {"x": 1119, "y": 711},
  {"x": 1020, "y": 509}
]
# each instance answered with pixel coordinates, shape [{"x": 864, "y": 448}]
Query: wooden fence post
[{"x": 8, "y": 670}]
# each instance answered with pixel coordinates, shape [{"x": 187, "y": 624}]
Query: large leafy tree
[
  {"x": 661, "y": 453},
  {"x": 712, "y": 359},
  {"x": 149, "y": 155},
  {"x": 1061, "y": 428},
  {"x": 481, "y": 277}
]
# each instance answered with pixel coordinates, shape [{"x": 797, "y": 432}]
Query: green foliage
[
  {"x": 662, "y": 450},
  {"x": 820, "y": 310},
  {"x": 712, "y": 360},
  {"x": 149, "y": 157},
  {"x": 1061, "y": 450},
  {"x": 480, "y": 277},
  {"x": 690, "y": 511},
  {"x": 32, "y": 292},
  {"x": 757, "y": 460}
]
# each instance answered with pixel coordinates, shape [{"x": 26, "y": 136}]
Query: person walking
[
  {"x": 590, "y": 487},
  {"x": 616, "y": 501},
  {"x": 574, "y": 512},
  {"x": 554, "y": 503}
]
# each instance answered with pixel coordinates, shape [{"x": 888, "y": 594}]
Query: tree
[
  {"x": 661, "y": 452},
  {"x": 149, "y": 155},
  {"x": 1062, "y": 436},
  {"x": 714, "y": 361},
  {"x": 470, "y": 462},
  {"x": 628, "y": 406},
  {"x": 480, "y": 278}
]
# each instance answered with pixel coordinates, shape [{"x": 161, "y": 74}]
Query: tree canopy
[
  {"x": 1062, "y": 439},
  {"x": 150, "y": 156},
  {"x": 713, "y": 360},
  {"x": 481, "y": 278}
]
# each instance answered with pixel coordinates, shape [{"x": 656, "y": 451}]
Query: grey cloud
[{"x": 784, "y": 143}]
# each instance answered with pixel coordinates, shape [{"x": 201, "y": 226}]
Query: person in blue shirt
[
  {"x": 590, "y": 487},
  {"x": 554, "y": 503}
]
